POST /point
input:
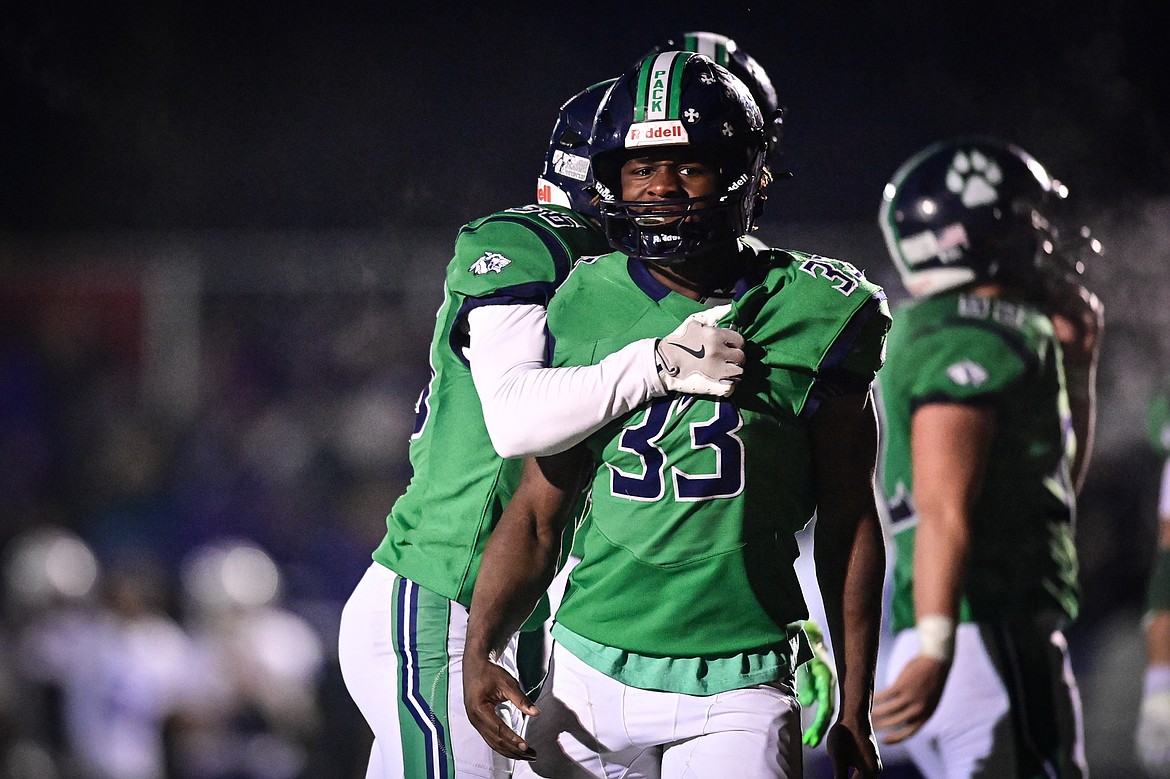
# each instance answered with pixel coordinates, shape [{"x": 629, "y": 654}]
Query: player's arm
[
  {"x": 531, "y": 409},
  {"x": 949, "y": 445},
  {"x": 850, "y": 566},
  {"x": 519, "y": 562},
  {"x": 1077, "y": 320}
]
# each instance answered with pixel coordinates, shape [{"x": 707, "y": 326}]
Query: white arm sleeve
[{"x": 531, "y": 409}]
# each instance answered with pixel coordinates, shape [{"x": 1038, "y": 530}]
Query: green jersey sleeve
[
  {"x": 974, "y": 366},
  {"x": 816, "y": 327},
  {"x": 520, "y": 255}
]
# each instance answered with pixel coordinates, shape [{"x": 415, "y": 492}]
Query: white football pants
[
  {"x": 401, "y": 653},
  {"x": 1010, "y": 708},
  {"x": 593, "y": 726}
]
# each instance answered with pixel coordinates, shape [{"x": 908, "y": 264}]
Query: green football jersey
[
  {"x": 689, "y": 545},
  {"x": 436, "y": 531},
  {"x": 998, "y": 353}
]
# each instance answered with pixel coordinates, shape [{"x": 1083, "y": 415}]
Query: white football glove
[
  {"x": 701, "y": 358},
  {"x": 1153, "y": 734}
]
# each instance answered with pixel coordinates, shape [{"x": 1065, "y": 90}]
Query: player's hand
[
  {"x": 1153, "y": 734},
  {"x": 853, "y": 751},
  {"x": 1078, "y": 318},
  {"x": 905, "y": 706},
  {"x": 700, "y": 358},
  {"x": 486, "y": 686},
  {"x": 816, "y": 684}
]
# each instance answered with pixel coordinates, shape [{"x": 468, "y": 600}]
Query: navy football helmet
[
  {"x": 679, "y": 98},
  {"x": 726, "y": 52},
  {"x": 567, "y": 177},
  {"x": 973, "y": 209}
]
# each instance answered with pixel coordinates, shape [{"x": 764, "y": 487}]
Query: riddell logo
[
  {"x": 544, "y": 194},
  {"x": 656, "y": 134}
]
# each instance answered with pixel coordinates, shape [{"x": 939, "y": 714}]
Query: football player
[
  {"x": 816, "y": 678},
  {"x": 681, "y": 628},
  {"x": 988, "y": 403},
  {"x": 1153, "y": 733},
  {"x": 491, "y": 397}
]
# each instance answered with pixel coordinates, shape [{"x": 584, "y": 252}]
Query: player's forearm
[
  {"x": 532, "y": 410},
  {"x": 522, "y": 553},
  {"x": 518, "y": 565},
  {"x": 850, "y": 562},
  {"x": 541, "y": 412},
  {"x": 941, "y": 545},
  {"x": 847, "y": 545}
]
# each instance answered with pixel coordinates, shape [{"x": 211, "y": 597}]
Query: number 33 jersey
[{"x": 689, "y": 545}]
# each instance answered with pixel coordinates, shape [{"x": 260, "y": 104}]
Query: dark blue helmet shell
[
  {"x": 676, "y": 98},
  {"x": 971, "y": 209},
  {"x": 567, "y": 177},
  {"x": 726, "y": 52}
]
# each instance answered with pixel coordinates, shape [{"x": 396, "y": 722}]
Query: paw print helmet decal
[
  {"x": 972, "y": 209},
  {"x": 677, "y": 98}
]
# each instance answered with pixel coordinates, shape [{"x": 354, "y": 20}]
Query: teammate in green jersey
[
  {"x": 490, "y": 397},
  {"x": 988, "y": 404},
  {"x": 1153, "y": 733},
  {"x": 681, "y": 628}
]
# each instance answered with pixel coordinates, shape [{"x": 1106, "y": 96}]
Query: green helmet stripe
[
  {"x": 675, "y": 89},
  {"x": 643, "y": 85},
  {"x": 708, "y": 45},
  {"x": 659, "y": 92}
]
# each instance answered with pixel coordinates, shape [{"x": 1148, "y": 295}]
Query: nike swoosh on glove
[{"x": 701, "y": 358}]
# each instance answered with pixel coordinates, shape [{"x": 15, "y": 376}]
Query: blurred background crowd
[{"x": 222, "y": 238}]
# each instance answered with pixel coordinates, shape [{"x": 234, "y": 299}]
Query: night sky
[{"x": 169, "y": 114}]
